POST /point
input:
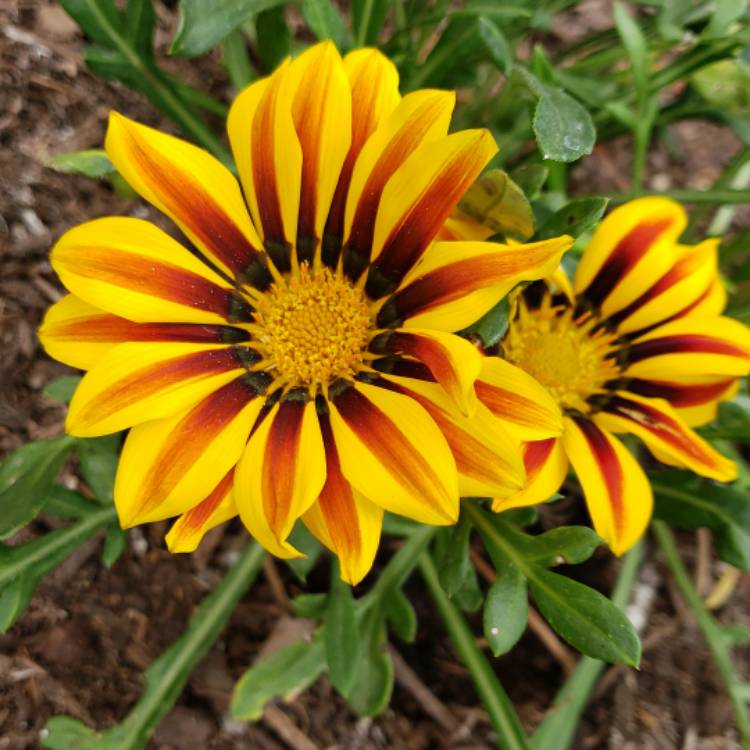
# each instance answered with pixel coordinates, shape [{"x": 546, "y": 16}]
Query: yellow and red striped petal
[
  {"x": 487, "y": 457},
  {"x": 421, "y": 116},
  {"x": 630, "y": 251},
  {"x": 269, "y": 160},
  {"x": 617, "y": 491},
  {"x": 391, "y": 450},
  {"x": 80, "y": 334},
  {"x": 281, "y": 474},
  {"x": 193, "y": 188},
  {"x": 168, "y": 464},
  {"x": 138, "y": 382},
  {"x": 458, "y": 282},
  {"x": 131, "y": 268},
  {"x": 695, "y": 400},
  {"x": 417, "y": 200},
  {"x": 546, "y": 466},
  {"x": 322, "y": 113},
  {"x": 342, "y": 519},
  {"x": 188, "y": 530},
  {"x": 373, "y": 80},
  {"x": 691, "y": 346},
  {"x": 685, "y": 283},
  {"x": 654, "y": 421},
  {"x": 515, "y": 398},
  {"x": 453, "y": 361}
]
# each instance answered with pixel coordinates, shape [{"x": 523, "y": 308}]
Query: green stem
[
  {"x": 558, "y": 728},
  {"x": 711, "y": 629},
  {"x": 237, "y": 60},
  {"x": 496, "y": 701},
  {"x": 189, "y": 123},
  {"x": 365, "y": 23}
]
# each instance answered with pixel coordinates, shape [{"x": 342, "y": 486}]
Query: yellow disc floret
[
  {"x": 312, "y": 328},
  {"x": 565, "y": 353}
]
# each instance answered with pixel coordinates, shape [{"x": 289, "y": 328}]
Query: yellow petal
[
  {"x": 189, "y": 529},
  {"x": 168, "y": 464},
  {"x": 546, "y": 466},
  {"x": 189, "y": 185},
  {"x": 133, "y": 269},
  {"x": 138, "y": 382},
  {"x": 281, "y": 474},
  {"x": 617, "y": 491},
  {"x": 524, "y": 406},
  {"x": 391, "y": 450},
  {"x": 654, "y": 421},
  {"x": 629, "y": 252}
]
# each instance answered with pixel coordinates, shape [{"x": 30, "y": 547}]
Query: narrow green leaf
[
  {"x": 400, "y": 615},
  {"x": 732, "y": 422},
  {"x": 97, "y": 18},
  {"x": 98, "y": 457},
  {"x": 91, "y": 163},
  {"x": 491, "y": 327},
  {"x": 563, "y": 128},
  {"x": 204, "y": 23},
  {"x": 284, "y": 673},
  {"x": 274, "y": 39},
  {"x": 726, "y": 12},
  {"x": 62, "y": 388},
  {"x": 530, "y": 178},
  {"x": 367, "y": 19},
  {"x": 166, "y": 677},
  {"x": 371, "y": 692},
  {"x": 325, "y": 21},
  {"x": 114, "y": 544},
  {"x": 452, "y": 555},
  {"x": 26, "y": 479},
  {"x": 342, "y": 638},
  {"x": 66, "y": 503},
  {"x": 586, "y": 619},
  {"x": 308, "y": 545},
  {"x": 310, "y": 606},
  {"x": 635, "y": 45},
  {"x": 574, "y": 219},
  {"x": 470, "y": 596},
  {"x": 506, "y": 608},
  {"x": 139, "y": 26},
  {"x": 685, "y": 501},
  {"x": 237, "y": 60},
  {"x": 496, "y": 43}
]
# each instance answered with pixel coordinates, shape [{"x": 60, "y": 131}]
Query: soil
[{"x": 89, "y": 633}]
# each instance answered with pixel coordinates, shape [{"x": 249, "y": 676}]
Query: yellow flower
[
  {"x": 299, "y": 361},
  {"x": 636, "y": 345}
]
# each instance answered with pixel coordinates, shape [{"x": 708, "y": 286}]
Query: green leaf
[
  {"x": 98, "y": 19},
  {"x": 92, "y": 163},
  {"x": 284, "y": 673},
  {"x": 574, "y": 219},
  {"x": 204, "y": 23},
  {"x": 26, "y": 479},
  {"x": 342, "y": 638},
  {"x": 496, "y": 43},
  {"x": 139, "y": 26},
  {"x": 530, "y": 178},
  {"x": 309, "y": 546},
  {"x": 491, "y": 327},
  {"x": 400, "y": 615},
  {"x": 497, "y": 202},
  {"x": 22, "y": 566},
  {"x": 237, "y": 60},
  {"x": 66, "y": 503},
  {"x": 325, "y": 21},
  {"x": 274, "y": 39},
  {"x": 98, "y": 457},
  {"x": 732, "y": 422},
  {"x": 726, "y": 85},
  {"x": 726, "y": 12},
  {"x": 310, "y": 606},
  {"x": 563, "y": 128},
  {"x": 371, "y": 692},
  {"x": 166, "y": 677},
  {"x": 367, "y": 20},
  {"x": 688, "y": 502},
  {"x": 114, "y": 544},
  {"x": 636, "y": 47},
  {"x": 470, "y": 596},
  {"x": 452, "y": 555},
  {"x": 506, "y": 609},
  {"x": 586, "y": 619},
  {"x": 62, "y": 388}
]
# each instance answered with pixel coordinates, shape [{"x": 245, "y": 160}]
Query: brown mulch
[{"x": 90, "y": 632}]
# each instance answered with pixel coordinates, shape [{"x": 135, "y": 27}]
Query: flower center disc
[
  {"x": 563, "y": 354},
  {"x": 315, "y": 327}
]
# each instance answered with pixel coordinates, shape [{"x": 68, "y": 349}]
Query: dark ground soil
[{"x": 90, "y": 632}]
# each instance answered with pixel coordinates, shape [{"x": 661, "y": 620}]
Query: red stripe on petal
[
  {"x": 535, "y": 455},
  {"x": 683, "y": 344},
  {"x": 680, "y": 395},
  {"x": 610, "y": 467},
  {"x": 194, "y": 519},
  {"x": 628, "y": 252},
  {"x": 279, "y": 460},
  {"x": 510, "y": 405}
]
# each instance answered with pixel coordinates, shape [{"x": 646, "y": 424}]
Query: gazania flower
[
  {"x": 251, "y": 366},
  {"x": 637, "y": 346}
]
